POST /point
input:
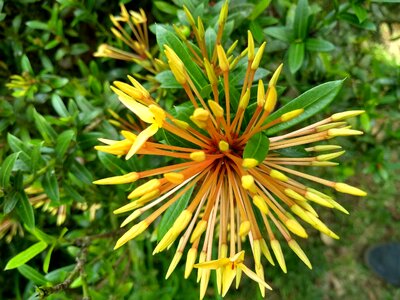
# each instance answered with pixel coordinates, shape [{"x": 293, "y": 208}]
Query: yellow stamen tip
[
  {"x": 300, "y": 253},
  {"x": 258, "y": 57},
  {"x": 198, "y": 230},
  {"x": 248, "y": 183},
  {"x": 278, "y": 175},
  {"x": 343, "y": 132},
  {"x": 127, "y": 178},
  {"x": 244, "y": 101},
  {"x": 175, "y": 260},
  {"x": 217, "y": 110},
  {"x": 260, "y": 94},
  {"x": 329, "y": 156},
  {"x": 131, "y": 234},
  {"x": 276, "y": 248},
  {"x": 175, "y": 178},
  {"x": 346, "y": 114},
  {"x": 296, "y": 228},
  {"x": 190, "y": 260},
  {"x": 319, "y": 148},
  {"x": 261, "y": 204},
  {"x": 274, "y": 78},
  {"x": 223, "y": 61},
  {"x": 318, "y": 199},
  {"x": 348, "y": 189},
  {"x": 198, "y": 156},
  {"x": 145, "y": 188},
  {"x": 291, "y": 114},
  {"x": 244, "y": 228},
  {"x": 250, "y": 45},
  {"x": 200, "y": 114},
  {"x": 223, "y": 146},
  {"x": 271, "y": 98},
  {"x": 249, "y": 163},
  {"x": 292, "y": 194}
]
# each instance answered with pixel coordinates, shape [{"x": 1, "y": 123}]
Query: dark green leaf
[
  {"x": 25, "y": 210},
  {"x": 319, "y": 45},
  {"x": 296, "y": 57},
  {"x": 210, "y": 37},
  {"x": 45, "y": 129},
  {"x": 257, "y": 147},
  {"x": 63, "y": 141},
  {"x": 312, "y": 101},
  {"x": 31, "y": 274},
  {"x": 167, "y": 80},
  {"x": 279, "y": 32},
  {"x": 167, "y": 37},
  {"x": 46, "y": 262},
  {"x": 166, "y": 7},
  {"x": 360, "y": 12},
  {"x": 37, "y": 25},
  {"x": 82, "y": 173},
  {"x": 112, "y": 163},
  {"x": 6, "y": 168},
  {"x": 172, "y": 213},
  {"x": 259, "y": 8},
  {"x": 26, "y": 65},
  {"x": 300, "y": 24},
  {"x": 50, "y": 185},
  {"x": 26, "y": 255},
  {"x": 10, "y": 201}
]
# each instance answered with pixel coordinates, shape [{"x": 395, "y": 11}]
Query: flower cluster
[{"x": 239, "y": 182}]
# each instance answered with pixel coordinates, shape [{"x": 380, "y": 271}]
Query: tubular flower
[{"x": 234, "y": 178}]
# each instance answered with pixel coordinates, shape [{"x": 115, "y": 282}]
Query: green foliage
[{"x": 54, "y": 105}]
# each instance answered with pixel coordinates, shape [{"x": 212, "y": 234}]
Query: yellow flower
[{"x": 237, "y": 181}]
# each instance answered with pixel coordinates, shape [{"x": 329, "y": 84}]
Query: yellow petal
[
  {"x": 141, "y": 139},
  {"x": 253, "y": 276},
  {"x": 229, "y": 273},
  {"x": 276, "y": 248},
  {"x": 213, "y": 264}
]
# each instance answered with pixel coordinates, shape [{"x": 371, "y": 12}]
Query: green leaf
[
  {"x": 45, "y": 129},
  {"x": 280, "y": 33},
  {"x": 319, "y": 45},
  {"x": 300, "y": 24},
  {"x": 167, "y": 37},
  {"x": 257, "y": 147},
  {"x": 360, "y": 12},
  {"x": 63, "y": 141},
  {"x": 37, "y": 25},
  {"x": 59, "y": 106},
  {"x": 172, "y": 213},
  {"x": 46, "y": 262},
  {"x": 6, "y": 168},
  {"x": 259, "y": 8},
  {"x": 50, "y": 185},
  {"x": 25, "y": 210},
  {"x": 113, "y": 164},
  {"x": 166, "y": 7},
  {"x": 26, "y": 65},
  {"x": 210, "y": 37},
  {"x": 81, "y": 172},
  {"x": 167, "y": 80},
  {"x": 26, "y": 255},
  {"x": 312, "y": 101},
  {"x": 10, "y": 201},
  {"x": 31, "y": 274},
  {"x": 296, "y": 57}
]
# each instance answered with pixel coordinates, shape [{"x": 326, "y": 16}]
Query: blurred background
[{"x": 55, "y": 102}]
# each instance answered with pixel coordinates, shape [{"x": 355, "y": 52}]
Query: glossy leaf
[
  {"x": 172, "y": 213},
  {"x": 32, "y": 274},
  {"x": 296, "y": 57},
  {"x": 25, "y": 210},
  {"x": 167, "y": 37},
  {"x": 312, "y": 101},
  {"x": 280, "y": 33},
  {"x": 319, "y": 45},
  {"x": 6, "y": 168},
  {"x": 62, "y": 143},
  {"x": 259, "y": 8},
  {"x": 300, "y": 24},
  {"x": 44, "y": 128},
  {"x": 50, "y": 185},
  {"x": 257, "y": 147},
  {"x": 26, "y": 255}
]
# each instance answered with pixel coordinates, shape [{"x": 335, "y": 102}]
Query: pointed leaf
[
  {"x": 50, "y": 185},
  {"x": 25, "y": 255},
  {"x": 300, "y": 24},
  {"x": 25, "y": 210},
  {"x": 319, "y": 45},
  {"x": 6, "y": 168},
  {"x": 32, "y": 274},
  {"x": 63, "y": 141},
  {"x": 312, "y": 101},
  {"x": 296, "y": 57},
  {"x": 257, "y": 147}
]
